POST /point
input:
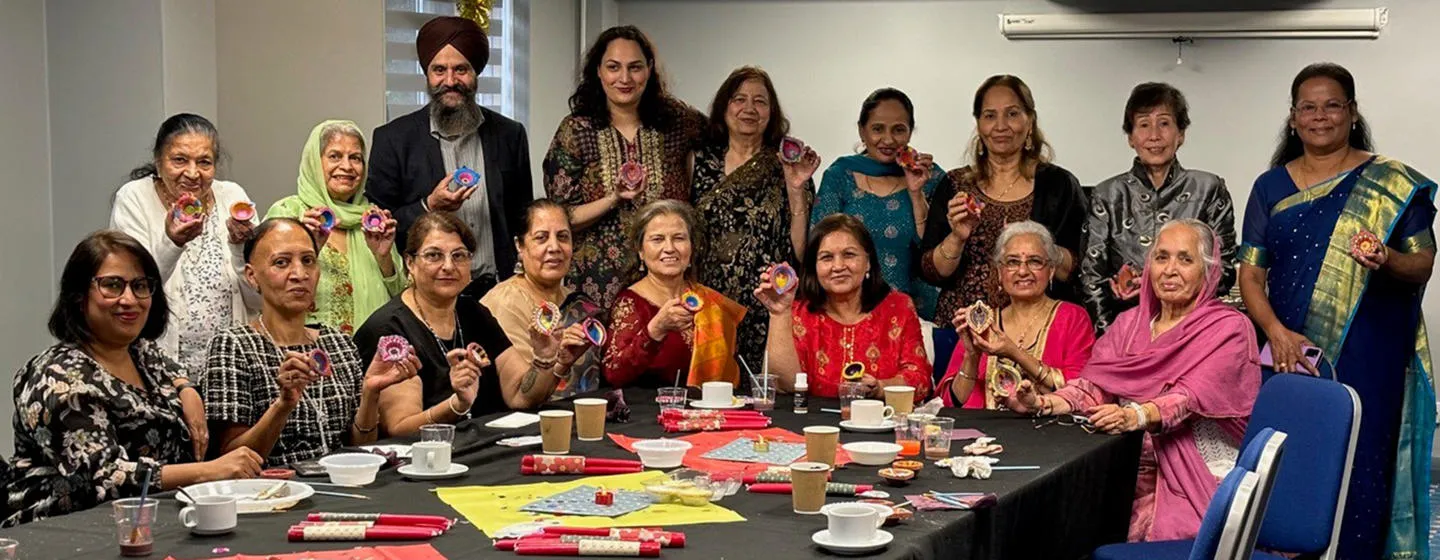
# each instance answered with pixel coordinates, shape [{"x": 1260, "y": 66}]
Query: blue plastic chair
[
  {"x": 1219, "y": 530},
  {"x": 1262, "y": 457},
  {"x": 945, "y": 340}
]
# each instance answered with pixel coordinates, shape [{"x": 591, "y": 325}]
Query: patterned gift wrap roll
[
  {"x": 414, "y": 520},
  {"x": 306, "y": 533},
  {"x": 589, "y": 547}
]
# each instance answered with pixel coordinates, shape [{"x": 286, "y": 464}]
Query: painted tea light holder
[
  {"x": 321, "y": 361},
  {"x": 909, "y": 158},
  {"x": 792, "y": 150},
  {"x": 1128, "y": 278},
  {"x": 691, "y": 300},
  {"x": 188, "y": 208},
  {"x": 979, "y": 317},
  {"x": 327, "y": 218},
  {"x": 853, "y": 371},
  {"x": 632, "y": 175},
  {"x": 394, "y": 348},
  {"x": 466, "y": 177},
  {"x": 594, "y": 331},
  {"x": 373, "y": 221},
  {"x": 1007, "y": 378},
  {"x": 242, "y": 211},
  {"x": 973, "y": 205},
  {"x": 1364, "y": 244},
  {"x": 547, "y": 317},
  {"x": 477, "y": 352},
  {"x": 783, "y": 278}
]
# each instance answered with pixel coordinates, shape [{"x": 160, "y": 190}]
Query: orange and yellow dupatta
[{"x": 713, "y": 358}]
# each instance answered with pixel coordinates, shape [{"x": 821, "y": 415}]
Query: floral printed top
[
  {"x": 583, "y": 165},
  {"x": 84, "y": 437},
  {"x": 747, "y": 218},
  {"x": 335, "y": 295},
  {"x": 207, "y": 291},
  {"x": 887, "y": 341}
]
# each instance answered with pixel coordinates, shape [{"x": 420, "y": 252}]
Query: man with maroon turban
[{"x": 414, "y": 159}]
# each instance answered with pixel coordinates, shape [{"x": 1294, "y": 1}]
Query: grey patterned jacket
[{"x": 1126, "y": 213}]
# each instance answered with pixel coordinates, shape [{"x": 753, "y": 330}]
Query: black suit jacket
[{"x": 405, "y": 166}]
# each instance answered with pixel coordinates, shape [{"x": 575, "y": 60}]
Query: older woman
[
  {"x": 289, "y": 392},
  {"x": 655, "y": 335},
  {"x": 891, "y": 199},
  {"x": 1011, "y": 180},
  {"x": 359, "y": 269},
  {"x": 545, "y": 249},
  {"x": 1181, "y": 367},
  {"x": 1338, "y": 247},
  {"x": 105, "y": 404},
  {"x": 1035, "y": 337},
  {"x": 468, "y": 365},
  {"x": 625, "y": 143},
  {"x": 754, "y": 203},
  {"x": 845, "y": 313},
  {"x": 1126, "y": 210},
  {"x": 198, "y": 253}
]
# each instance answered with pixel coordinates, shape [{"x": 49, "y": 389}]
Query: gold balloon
[{"x": 477, "y": 11}]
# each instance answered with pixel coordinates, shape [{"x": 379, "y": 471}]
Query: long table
[{"x": 1079, "y": 499}]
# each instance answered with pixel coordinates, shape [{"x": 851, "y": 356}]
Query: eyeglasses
[
  {"x": 1065, "y": 420},
  {"x": 459, "y": 257},
  {"x": 1034, "y": 264},
  {"x": 1331, "y": 108},
  {"x": 114, "y": 286}
]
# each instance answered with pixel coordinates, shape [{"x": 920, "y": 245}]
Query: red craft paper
[
  {"x": 705, "y": 442},
  {"x": 408, "y": 552}
]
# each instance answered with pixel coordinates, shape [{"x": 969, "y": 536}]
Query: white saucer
[
  {"x": 881, "y": 539},
  {"x": 211, "y": 532},
  {"x": 885, "y": 426},
  {"x": 409, "y": 471},
  {"x": 712, "y": 406}
]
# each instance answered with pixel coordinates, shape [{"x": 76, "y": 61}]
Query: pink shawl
[{"x": 1212, "y": 357}]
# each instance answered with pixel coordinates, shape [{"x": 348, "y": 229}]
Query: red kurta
[
  {"x": 888, "y": 341},
  {"x": 632, "y": 357}
]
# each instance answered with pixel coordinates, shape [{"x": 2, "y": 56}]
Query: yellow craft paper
[{"x": 491, "y": 508}]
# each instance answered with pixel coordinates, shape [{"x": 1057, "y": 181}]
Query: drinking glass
[{"x": 850, "y": 391}]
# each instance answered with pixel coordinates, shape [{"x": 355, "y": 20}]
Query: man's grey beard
[{"x": 453, "y": 121}]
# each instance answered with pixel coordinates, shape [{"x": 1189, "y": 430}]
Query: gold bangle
[
  {"x": 450, "y": 403},
  {"x": 941, "y": 249},
  {"x": 363, "y": 430}
]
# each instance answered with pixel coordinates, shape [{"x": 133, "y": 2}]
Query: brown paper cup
[
  {"x": 807, "y": 486},
  {"x": 901, "y": 398},
  {"x": 590, "y": 419},
  {"x": 820, "y": 443},
  {"x": 555, "y": 431}
]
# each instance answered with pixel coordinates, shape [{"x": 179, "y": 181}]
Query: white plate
[
  {"x": 886, "y": 426},
  {"x": 401, "y": 451},
  {"x": 456, "y": 469},
  {"x": 245, "y": 491},
  {"x": 712, "y": 406},
  {"x": 881, "y": 539}
]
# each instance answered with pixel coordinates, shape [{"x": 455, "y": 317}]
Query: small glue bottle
[{"x": 802, "y": 394}]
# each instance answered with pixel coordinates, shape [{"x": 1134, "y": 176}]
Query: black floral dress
[
  {"x": 84, "y": 437},
  {"x": 747, "y": 220}
]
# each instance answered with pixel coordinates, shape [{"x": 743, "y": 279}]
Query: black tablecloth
[{"x": 1078, "y": 499}]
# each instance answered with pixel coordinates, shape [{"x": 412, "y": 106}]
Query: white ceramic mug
[
  {"x": 866, "y": 412},
  {"x": 717, "y": 393},
  {"x": 210, "y": 515},
  {"x": 431, "y": 456},
  {"x": 854, "y": 522}
]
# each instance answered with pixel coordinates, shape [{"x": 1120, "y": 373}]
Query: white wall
[
  {"x": 106, "y": 101},
  {"x": 554, "y": 60},
  {"x": 826, "y": 56},
  {"x": 25, "y": 155},
  {"x": 188, "y": 56},
  {"x": 284, "y": 66}
]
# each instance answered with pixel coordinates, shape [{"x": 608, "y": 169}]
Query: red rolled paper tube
[
  {"x": 307, "y": 533},
  {"x": 385, "y": 519},
  {"x": 767, "y": 477},
  {"x": 711, "y": 425},
  {"x": 546, "y": 547},
  {"x": 675, "y": 413},
  {"x": 668, "y": 539},
  {"x": 832, "y": 488},
  {"x": 528, "y": 470},
  {"x": 531, "y": 460}
]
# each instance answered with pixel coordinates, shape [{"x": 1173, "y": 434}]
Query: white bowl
[
  {"x": 872, "y": 453},
  {"x": 352, "y": 469},
  {"x": 661, "y": 453}
]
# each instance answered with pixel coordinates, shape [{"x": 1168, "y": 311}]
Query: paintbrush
[{"x": 135, "y": 519}]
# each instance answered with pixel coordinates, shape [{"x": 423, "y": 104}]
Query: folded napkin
[{"x": 513, "y": 420}]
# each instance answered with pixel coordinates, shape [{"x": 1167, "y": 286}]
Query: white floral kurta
[{"x": 84, "y": 437}]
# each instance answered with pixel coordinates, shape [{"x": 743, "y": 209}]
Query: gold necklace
[
  {"x": 1309, "y": 169},
  {"x": 1032, "y": 328}
]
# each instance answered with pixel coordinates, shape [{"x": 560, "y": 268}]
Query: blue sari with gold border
[{"x": 1369, "y": 326}]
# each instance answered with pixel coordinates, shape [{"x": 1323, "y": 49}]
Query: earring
[
  {"x": 1028, "y": 145},
  {"x": 980, "y": 150},
  {"x": 1354, "y": 126},
  {"x": 519, "y": 267},
  {"x": 867, "y": 275}
]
